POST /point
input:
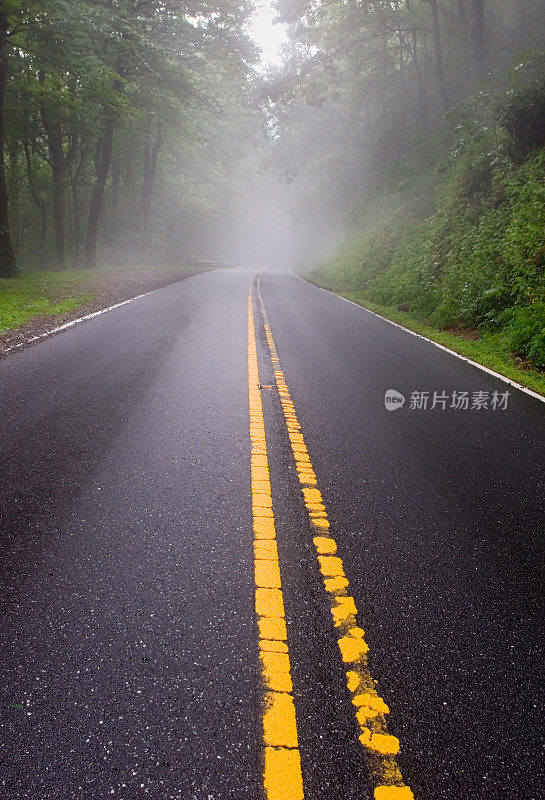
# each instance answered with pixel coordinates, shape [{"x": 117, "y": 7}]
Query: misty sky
[{"x": 268, "y": 36}]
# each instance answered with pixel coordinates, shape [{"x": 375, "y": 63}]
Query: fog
[
  {"x": 193, "y": 146},
  {"x": 346, "y": 99}
]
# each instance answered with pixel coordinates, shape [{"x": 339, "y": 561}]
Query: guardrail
[{"x": 195, "y": 263}]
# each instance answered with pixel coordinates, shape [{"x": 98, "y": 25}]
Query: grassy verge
[
  {"x": 40, "y": 293},
  {"x": 490, "y": 349},
  {"x": 52, "y": 293}
]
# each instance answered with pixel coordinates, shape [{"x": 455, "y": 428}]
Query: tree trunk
[
  {"x": 479, "y": 40},
  {"x": 462, "y": 13},
  {"x": 8, "y": 264},
  {"x": 422, "y": 95},
  {"x": 151, "y": 155},
  {"x": 75, "y": 182},
  {"x": 116, "y": 179},
  {"x": 102, "y": 170},
  {"x": 523, "y": 17},
  {"x": 77, "y": 214},
  {"x": 76, "y": 205},
  {"x": 421, "y": 89},
  {"x": 53, "y": 132},
  {"x": 39, "y": 202},
  {"x": 103, "y": 163},
  {"x": 439, "y": 68}
]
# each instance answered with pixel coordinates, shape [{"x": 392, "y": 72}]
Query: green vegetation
[
  {"x": 418, "y": 127},
  {"x": 123, "y": 128},
  {"x": 37, "y": 294},
  {"x": 460, "y": 241},
  {"x": 55, "y": 292}
]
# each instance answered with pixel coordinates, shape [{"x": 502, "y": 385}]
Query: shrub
[
  {"x": 409, "y": 278},
  {"x": 526, "y": 331},
  {"x": 461, "y": 238},
  {"x": 524, "y": 241},
  {"x": 522, "y": 114},
  {"x": 472, "y": 287}
]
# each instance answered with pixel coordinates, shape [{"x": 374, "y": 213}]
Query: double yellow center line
[{"x": 282, "y": 773}]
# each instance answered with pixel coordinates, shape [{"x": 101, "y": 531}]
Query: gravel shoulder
[{"x": 86, "y": 293}]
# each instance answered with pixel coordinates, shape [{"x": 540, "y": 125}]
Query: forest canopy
[
  {"x": 120, "y": 121},
  {"x": 413, "y": 135}
]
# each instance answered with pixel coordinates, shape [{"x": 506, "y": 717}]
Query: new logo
[{"x": 393, "y": 400}]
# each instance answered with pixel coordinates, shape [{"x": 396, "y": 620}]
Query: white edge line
[
  {"x": 89, "y": 316},
  {"x": 503, "y": 378},
  {"x": 74, "y": 322}
]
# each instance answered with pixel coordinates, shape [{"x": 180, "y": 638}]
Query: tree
[
  {"x": 364, "y": 83},
  {"x": 103, "y": 162},
  {"x": 151, "y": 155},
  {"x": 437, "y": 44},
  {"x": 106, "y": 104},
  {"x": 8, "y": 265},
  {"x": 58, "y": 162},
  {"x": 479, "y": 40}
]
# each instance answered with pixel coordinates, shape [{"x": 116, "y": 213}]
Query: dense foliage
[
  {"x": 410, "y": 119},
  {"x": 120, "y": 125}
]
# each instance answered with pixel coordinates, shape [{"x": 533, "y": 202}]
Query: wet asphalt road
[{"x": 128, "y": 642}]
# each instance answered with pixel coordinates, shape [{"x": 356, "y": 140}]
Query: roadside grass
[
  {"x": 490, "y": 349},
  {"x": 52, "y": 292},
  {"x": 40, "y": 293}
]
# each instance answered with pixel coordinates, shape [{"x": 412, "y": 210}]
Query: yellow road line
[
  {"x": 370, "y": 709},
  {"x": 282, "y": 764}
]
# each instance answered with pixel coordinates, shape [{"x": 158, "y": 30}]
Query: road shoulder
[
  {"x": 484, "y": 353},
  {"x": 44, "y": 303}
]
